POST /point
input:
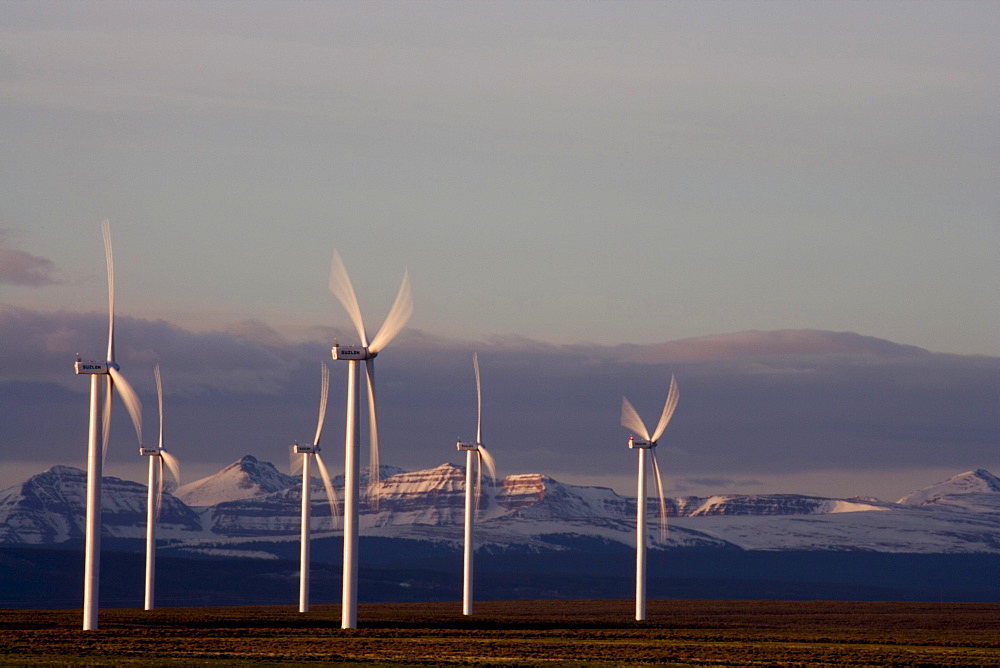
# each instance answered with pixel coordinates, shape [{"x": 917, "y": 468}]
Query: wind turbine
[
  {"x": 105, "y": 378},
  {"x": 158, "y": 457},
  {"x": 631, "y": 420},
  {"x": 340, "y": 286},
  {"x": 477, "y": 450},
  {"x": 308, "y": 452}
]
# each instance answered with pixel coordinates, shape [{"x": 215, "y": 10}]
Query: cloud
[
  {"x": 18, "y": 267},
  {"x": 743, "y": 417},
  {"x": 786, "y": 344},
  {"x": 43, "y": 347}
]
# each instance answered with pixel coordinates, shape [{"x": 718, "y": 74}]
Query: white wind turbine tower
[
  {"x": 631, "y": 420},
  {"x": 340, "y": 286},
  {"x": 308, "y": 452},
  {"x": 158, "y": 457},
  {"x": 477, "y": 451},
  {"x": 105, "y": 378}
]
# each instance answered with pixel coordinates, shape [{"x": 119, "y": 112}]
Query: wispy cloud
[{"x": 19, "y": 267}]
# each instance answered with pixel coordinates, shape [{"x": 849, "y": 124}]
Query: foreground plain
[{"x": 520, "y": 632}]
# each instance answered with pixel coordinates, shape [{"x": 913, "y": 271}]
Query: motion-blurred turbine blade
[
  {"x": 631, "y": 419},
  {"x": 373, "y": 462},
  {"x": 106, "y": 417},
  {"x": 108, "y": 256},
  {"x": 491, "y": 466},
  {"x": 668, "y": 409},
  {"x": 159, "y": 398},
  {"x": 659, "y": 491},
  {"x": 484, "y": 457},
  {"x": 158, "y": 501},
  {"x": 343, "y": 290},
  {"x": 331, "y": 495},
  {"x": 294, "y": 460},
  {"x": 399, "y": 314},
  {"x": 479, "y": 482},
  {"x": 479, "y": 400},
  {"x": 173, "y": 466},
  {"x": 131, "y": 399},
  {"x": 324, "y": 393}
]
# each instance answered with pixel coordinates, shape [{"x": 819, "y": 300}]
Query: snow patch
[
  {"x": 839, "y": 506},
  {"x": 219, "y": 552}
]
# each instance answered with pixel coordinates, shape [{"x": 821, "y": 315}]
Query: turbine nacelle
[
  {"x": 340, "y": 352},
  {"x": 149, "y": 452},
  {"x": 640, "y": 444},
  {"x": 466, "y": 446},
  {"x": 306, "y": 449},
  {"x": 91, "y": 367}
]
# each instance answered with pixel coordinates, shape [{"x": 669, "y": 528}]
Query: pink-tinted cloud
[
  {"x": 754, "y": 344},
  {"x": 18, "y": 267}
]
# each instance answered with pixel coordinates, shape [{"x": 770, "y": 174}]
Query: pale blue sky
[{"x": 607, "y": 172}]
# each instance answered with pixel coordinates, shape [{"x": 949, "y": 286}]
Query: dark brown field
[{"x": 521, "y": 633}]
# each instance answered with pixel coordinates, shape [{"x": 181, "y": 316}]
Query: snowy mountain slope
[
  {"x": 890, "y": 529},
  {"x": 535, "y": 512},
  {"x": 49, "y": 508},
  {"x": 278, "y": 513},
  {"x": 539, "y": 497},
  {"x": 526, "y": 512},
  {"x": 973, "y": 490},
  {"x": 775, "y": 504},
  {"x": 516, "y": 534},
  {"x": 431, "y": 497},
  {"x": 244, "y": 479}
]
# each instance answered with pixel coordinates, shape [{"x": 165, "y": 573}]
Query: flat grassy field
[{"x": 519, "y": 633}]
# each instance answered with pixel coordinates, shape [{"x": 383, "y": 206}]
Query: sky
[{"x": 791, "y": 206}]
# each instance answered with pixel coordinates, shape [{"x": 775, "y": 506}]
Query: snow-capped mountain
[
  {"x": 974, "y": 490},
  {"x": 49, "y": 508},
  {"x": 244, "y": 479},
  {"x": 250, "y": 503}
]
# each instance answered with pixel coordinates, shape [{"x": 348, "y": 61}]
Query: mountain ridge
[
  {"x": 243, "y": 479},
  {"x": 521, "y": 512},
  {"x": 977, "y": 489}
]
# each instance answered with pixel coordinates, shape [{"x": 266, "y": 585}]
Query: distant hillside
[{"x": 250, "y": 503}]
